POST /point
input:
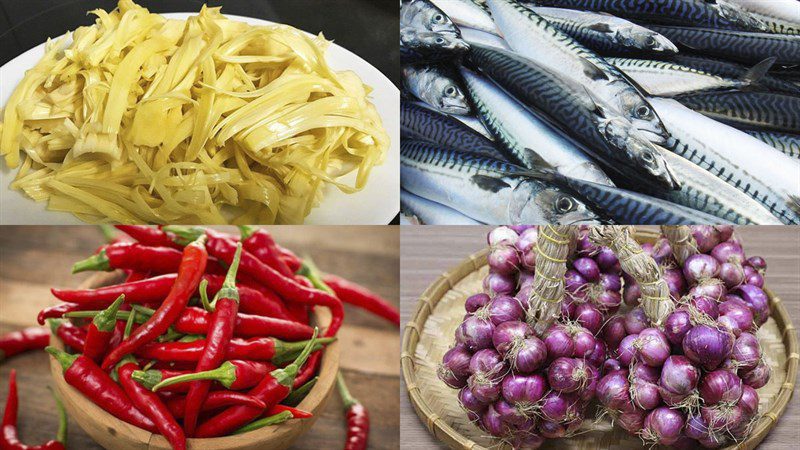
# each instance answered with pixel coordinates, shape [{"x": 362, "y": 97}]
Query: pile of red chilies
[{"x": 155, "y": 352}]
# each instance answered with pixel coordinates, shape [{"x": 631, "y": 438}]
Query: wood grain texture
[
  {"x": 33, "y": 259},
  {"x": 429, "y": 251}
]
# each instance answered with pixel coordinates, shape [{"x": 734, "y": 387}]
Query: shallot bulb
[
  {"x": 735, "y": 315},
  {"x": 757, "y": 300},
  {"x": 558, "y": 342},
  {"x": 567, "y": 374},
  {"x": 707, "y": 346},
  {"x": 614, "y": 331},
  {"x": 476, "y": 302},
  {"x": 706, "y": 236},
  {"x": 504, "y": 308},
  {"x": 504, "y": 259},
  {"x": 636, "y": 321},
  {"x": 469, "y": 402},
  {"x": 589, "y": 317},
  {"x": 632, "y": 421},
  {"x": 560, "y": 407},
  {"x": 502, "y": 235},
  {"x": 700, "y": 267},
  {"x": 728, "y": 252},
  {"x": 754, "y": 277},
  {"x": 526, "y": 245},
  {"x": 613, "y": 391},
  {"x": 653, "y": 347},
  {"x": 524, "y": 391},
  {"x": 509, "y": 413},
  {"x": 749, "y": 400},
  {"x": 496, "y": 283},
  {"x": 529, "y": 356},
  {"x": 676, "y": 325},
  {"x": 493, "y": 423},
  {"x": 757, "y": 377},
  {"x": 746, "y": 352},
  {"x": 679, "y": 378},
  {"x": 509, "y": 336},
  {"x": 627, "y": 349},
  {"x": 454, "y": 370},
  {"x": 720, "y": 386},
  {"x": 663, "y": 426},
  {"x": 476, "y": 333},
  {"x": 645, "y": 394}
]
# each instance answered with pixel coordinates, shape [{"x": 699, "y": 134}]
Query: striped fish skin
[
  {"x": 467, "y": 13},
  {"x": 431, "y": 213},
  {"x": 743, "y": 46},
  {"x": 533, "y": 37},
  {"x": 632, "y": 208},
  {"x": 484, "y": 189},
  {"x": 733, "y": 70},
  {"x": 425, "y": 124},
  {"x": 474, "y": 123},
  {"x": 424, "y": 15},
  {"x": 612, "y": 140},
  {"x": 767, "y": 176},
  {"x": 788, "y": 144},
  {"x": 782, "y": 16},
  {"x": 472, "y": 36},
  {"x": 526, "y": 136},
  {"x": 666, "y": 79},
  {"x": 436, "y": 86},
  {"x": 749, "y": 110},
  {"x": 702, "y": 191},
  {"x": 604, "y": 33},
  {"x": 697, "y": 13}
]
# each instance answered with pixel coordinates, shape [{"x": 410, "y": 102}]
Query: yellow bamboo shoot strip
[{"x": 208, "y": 120}]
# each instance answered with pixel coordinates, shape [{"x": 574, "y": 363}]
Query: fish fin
[
  {"x": 535, "y": 159},
  {"x": 757, "y": 72},
  {"x": 600, "y": 27},
  {"x": 599, "y": 108},
  {"x": 592, "y": 71},
  {"x": 490, "y": 184},
  {"x": 687, "y": 45}
]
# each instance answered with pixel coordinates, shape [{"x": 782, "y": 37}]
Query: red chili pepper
[
  {"x": 296, "y": 413},
  {"x": 191, "y": 270},
  {"x": 216, "y": 400},
  {"x": 16, "y": 342},
  {"x": 151, "y": 405},
  {"x": 235, "y": 374},
  {"x": 271, "y": 390},
  {"x": 155, "y": 290},
  {"x": 288, "y": 288},
  {"x": 146, "y": 235},
  {"x": 195, "y": 321},
  {"x": 219, "y": 329},
  {"x": 293, "y": 261},
  {"x": 58, "y": 311},
  {"x": 69, "y": 334},
  {"x": 308, "y": 370},
  {"x": 87, "y": 377},
  {"x": 360, "y": 296},
  {"x": 259, "y": 242},
  {"x": 9, "y": 439},
  {"x": 138, "y": 257},
  {"x": 258, "y": 349},
  {"x": 357, "y": 418},
  {"x": 100, "y": 331},
  {"x": 136, "y": 275}
]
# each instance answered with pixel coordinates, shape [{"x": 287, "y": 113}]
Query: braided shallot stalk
[{"x": 552, "y": 250}]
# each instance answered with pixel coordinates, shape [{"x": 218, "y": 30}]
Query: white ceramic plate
[{"x": 377, "y": 204}]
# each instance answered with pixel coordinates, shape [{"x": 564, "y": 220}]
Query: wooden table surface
[
  {"x": 428, "y": 251},
  {"x": 33, "y": 259}
]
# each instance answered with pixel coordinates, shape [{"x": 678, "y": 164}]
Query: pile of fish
[{"x": 610, "y": 111}]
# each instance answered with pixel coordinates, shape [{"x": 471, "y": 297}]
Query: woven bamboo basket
[{"x": 440, "y": 310}]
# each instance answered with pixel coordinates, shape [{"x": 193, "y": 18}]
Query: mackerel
[
  {"x": 702, "y": 191},
  {"x": 769, "y": 177},
  {"x": 428, "y": 44},
  {"x": 533, "y": 37},
  {"x": 787, "y": 143},
  {"x": 743, "y": 46},
  {"x": 431, "y": 213},
  {"x": 467, "y": 13},
  {"x": 529, "y": 140},
  {"x": 487, "y": 190},
  {"x": 696, "y": 13},
  {"x": 632, "y": 208},
  {"x": 424, "y": 15},
  {"x": 437, "y": 86},
  {"x": 665, "y": 79},
  {"x": 425, "y": 124},
  {"x": 749, "y": 110},
  {"x": 612, "y": 140},
  {"x": 734, "y": 70},
  {"x": 474, "y": 123},
  {"x": 605, "y": 33},
  {"x": 483, "y": 38},
  {"x": 782, "y": 16}
]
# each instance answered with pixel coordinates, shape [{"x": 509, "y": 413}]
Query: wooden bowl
[
  {"x": 115, "y": 434},
  {"x": 441, "y": 308}
]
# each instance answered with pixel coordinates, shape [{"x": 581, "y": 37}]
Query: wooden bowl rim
[
  {"x": 442, "y": 431},
  {"x": 313, "y": 402}
]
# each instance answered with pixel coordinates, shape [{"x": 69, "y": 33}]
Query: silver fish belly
[
  {"x": 665, "y": 79},
  {"x": 431, "y": 213}
]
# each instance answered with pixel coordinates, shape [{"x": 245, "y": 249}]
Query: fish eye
[
  {"x": 648, "y": 157},
  {"x": 564, "y": 204},
  {"x": 439, "y": 40},
  {"x": 450, "y": 91},
  {"x": 643, "y": 112},
  {"x": 438, "y": 18},
  {"x": 650, "y": 41}
]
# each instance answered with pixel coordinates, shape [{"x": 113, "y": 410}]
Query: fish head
[
  {"x": 534, "y": 203},
  {"x": 424, "y": 15},
  {"x": 432, "y": 42},
  {"x": 637, "y": 150},
  {"x": 448, "y": 96},
  {"x": 643, "y": 39},
  {"x": 738, "y": 16},
  {"x": 641, "y": 114}
]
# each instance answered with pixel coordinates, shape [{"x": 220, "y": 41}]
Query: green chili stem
[
  {"x": 347, "y": 399},
  {"x": 224, "y": 374},
  {"x": 279, "y": 418}
]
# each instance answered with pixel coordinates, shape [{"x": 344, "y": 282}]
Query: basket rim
[{"x": 443, "y": 432}]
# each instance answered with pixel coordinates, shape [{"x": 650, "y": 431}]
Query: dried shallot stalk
[
  {"x": 681, "y": 241},
  {"x": 552, "y": 249}
]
